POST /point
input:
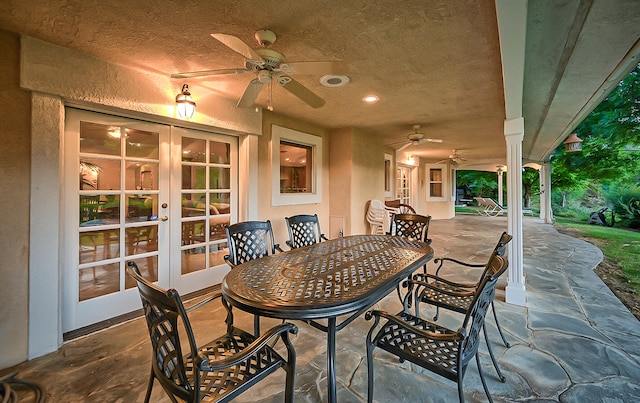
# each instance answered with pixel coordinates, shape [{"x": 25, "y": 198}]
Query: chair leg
[
  {"x": 256, "y": 325},
  {"x": 149, "y": 387},
  {"x": 484, "y": 383},
  {"x": 290, "y": 369},
  {"x": 369, "y": 370},
  {"x": 493, "y": 359},
  {"x": 495, "y": 317}
]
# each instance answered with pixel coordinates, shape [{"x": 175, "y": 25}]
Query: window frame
[
  {"x": 444, "y": 182},
  {"x": 282, "y": 134}
]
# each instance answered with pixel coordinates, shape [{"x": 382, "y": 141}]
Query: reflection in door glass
[
  {"x": 99, "y": 280},
  {"x": 99, "y": 139},
  {"x": 142, "y": 144}
]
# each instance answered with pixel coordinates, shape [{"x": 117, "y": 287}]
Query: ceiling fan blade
[
  {"x": 300, "y": 91},
  {"x": 315, "y": 68},
  {"x": 405, "y": 146},
  {"x": 204, "y": 73},
  {"x": 239, "y": 46},
  {"x": 248, "y": 99}
]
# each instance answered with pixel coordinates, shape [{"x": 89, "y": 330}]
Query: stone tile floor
[{"x": 572, "y": 342}]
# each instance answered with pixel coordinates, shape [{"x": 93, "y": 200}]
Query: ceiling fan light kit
[{"x": 269, "y": 65}]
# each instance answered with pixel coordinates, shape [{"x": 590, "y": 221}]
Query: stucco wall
[
  {"x": 340, "y": 163},
  {"x": 277, "y": 213},
  {"x": 367, "y": 178},
  {"x": 15, "y": 112}
]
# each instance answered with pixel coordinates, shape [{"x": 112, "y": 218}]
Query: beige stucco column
[{"x": 514, "y": 133}]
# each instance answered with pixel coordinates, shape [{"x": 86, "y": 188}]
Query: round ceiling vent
[{"x": 334, "y": 80}]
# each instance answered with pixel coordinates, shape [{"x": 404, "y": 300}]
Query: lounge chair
[{"x": 491, "y": 208}]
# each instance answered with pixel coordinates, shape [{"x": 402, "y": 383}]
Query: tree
[{"x": 611, "y": 142}]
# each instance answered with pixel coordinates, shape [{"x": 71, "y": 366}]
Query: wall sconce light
[
  {"x": 573, "y": 143},
  {"x": 184, "y": 103},
  {"x": 411, "y": 160}
]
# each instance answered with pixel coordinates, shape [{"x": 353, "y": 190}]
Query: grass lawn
[{"x": 618, "y": 244}]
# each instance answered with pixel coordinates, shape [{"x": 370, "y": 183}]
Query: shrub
[{"x": 626, "y": 204}]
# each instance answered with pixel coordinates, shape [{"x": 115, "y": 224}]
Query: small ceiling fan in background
[
  {"x": 269, "y": 65},
  {"x": 454, "y": 158},
  {"x": 413, "y": 139}
]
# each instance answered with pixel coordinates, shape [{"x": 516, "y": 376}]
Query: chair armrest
[
  {"x": 205, "y": 365},
  {"x": 421, "y": 285},
  {"x": 324, "y": 238},
  {"x": 227, "y": 259},
  {"x": 208, "y": 298},
  {"x": 455, "y": 336},
  {"x": 441, "y": 261},
  {"x": 425, "y": 277},
  {"x": 277, "y": 247},
  {"x": 289, "y": 244}
]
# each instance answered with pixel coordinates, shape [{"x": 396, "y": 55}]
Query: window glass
[{"x": 296, "y": 162}]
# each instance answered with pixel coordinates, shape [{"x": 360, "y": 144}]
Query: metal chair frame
[
  {"x": 219, "y": 370},
  {"x": 457, "y": 297},
  {"x": 436, "y": 348},
  {"x": 304, "y": 230},
  {"x": 410, "y": 226},
  {"x": 249, "y": 240}
]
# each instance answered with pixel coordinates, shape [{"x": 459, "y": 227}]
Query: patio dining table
[{"x": 342, "y": 277}]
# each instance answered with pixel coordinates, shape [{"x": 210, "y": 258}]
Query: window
[
  {"x": 388, "y": 179},
  {"x": 436, "y": 182},
  {"x": 296, "y": 160}
]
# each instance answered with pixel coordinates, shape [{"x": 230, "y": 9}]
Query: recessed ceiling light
[
  {"x": 370, "y": 99},
  {"x": 331, "y": 80}
]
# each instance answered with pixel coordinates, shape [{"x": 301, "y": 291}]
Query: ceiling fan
[
  {"x": 269, "y": 65},
  {"x": 415, "y": 138},
  {"x": 454, "y": 158}
]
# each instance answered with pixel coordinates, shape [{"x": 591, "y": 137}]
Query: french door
[
  {"x": 403, "y": 185},
  {"x": 144, "y": 192}
]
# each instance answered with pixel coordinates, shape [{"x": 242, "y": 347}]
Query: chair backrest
[
  {"x": 162, "y": 309},
  {"x": 304, "y": 230},
  {"x": 475, "y": 315},
  {"x": 249, "y": 240},
  {"x": 411, "y": 226},
  {"x": 499, "y": 250}
]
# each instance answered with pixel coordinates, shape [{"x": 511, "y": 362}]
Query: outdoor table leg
[{"x": 331, "y": 360}]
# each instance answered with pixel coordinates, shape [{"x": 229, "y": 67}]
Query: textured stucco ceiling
[{"x": 436, "y": 63}]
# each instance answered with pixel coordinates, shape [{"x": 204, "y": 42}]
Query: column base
[{"x": 515, "y": 294}]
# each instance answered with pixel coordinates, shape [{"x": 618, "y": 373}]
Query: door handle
[{"x": 164, "y": 218}]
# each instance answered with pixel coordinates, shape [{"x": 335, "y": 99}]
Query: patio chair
[
  {"x": 436, "y": 348},
  {"x": 247, "y": 241},
  {"x": 377, "y": 217},
  {"x": 218, "y": 371},
  {"x": 489, "y": 207},
  {"x": 411, "y": 226},
  {"x": 457, "y": 297},
  {"x": 304, "y": 230}
]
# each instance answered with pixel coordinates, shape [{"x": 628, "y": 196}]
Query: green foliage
[
  {"x": 610, "y": 156},
  {"x": 621, "y": 245},
  {"x": 625, "y": 201},
  {"x": 478, "y": 183}
]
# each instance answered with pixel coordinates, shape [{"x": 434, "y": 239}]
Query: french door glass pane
[{"x": 205, "y": 167}]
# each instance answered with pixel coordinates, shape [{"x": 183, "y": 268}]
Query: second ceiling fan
[{"x": 269, "y": 65}]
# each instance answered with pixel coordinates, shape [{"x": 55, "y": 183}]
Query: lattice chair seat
[
  {"x": 304, "y": 230},
  {"x": 436, "y": 348},
  {"x": 217, "y": 371}
]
